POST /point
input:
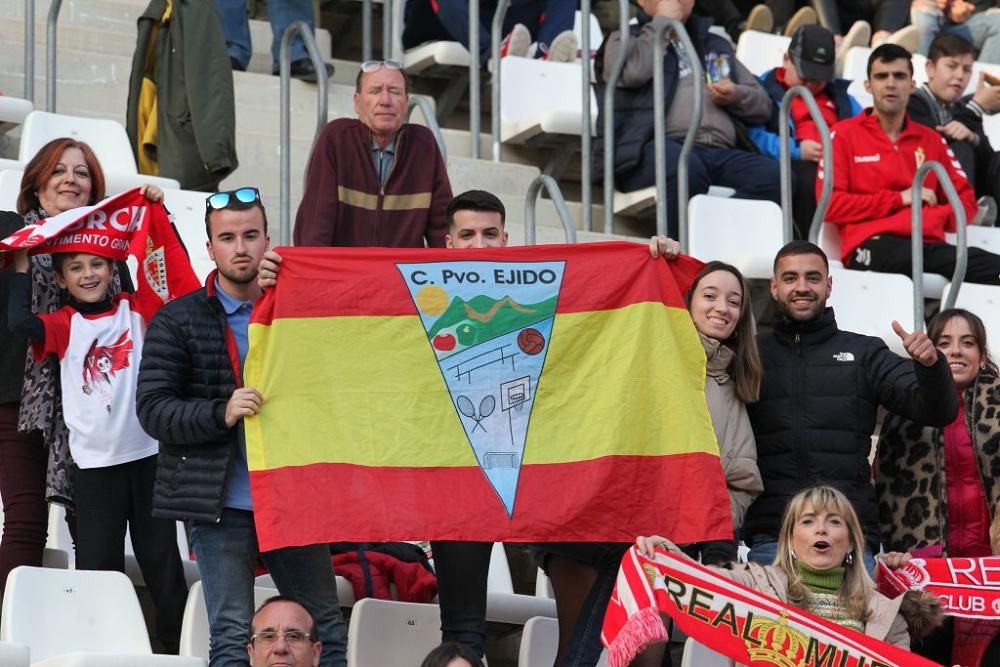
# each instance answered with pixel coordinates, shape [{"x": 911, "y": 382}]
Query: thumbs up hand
[{"x": 917, "y": 344}]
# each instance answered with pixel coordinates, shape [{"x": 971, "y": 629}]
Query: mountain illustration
[{"x": 482, "y": 318}]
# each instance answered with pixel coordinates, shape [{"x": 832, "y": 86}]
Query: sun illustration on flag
[{"x": 489, "y": 325}]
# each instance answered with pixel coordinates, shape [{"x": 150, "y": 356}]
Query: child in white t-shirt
[{"x": 98, "y": 341}]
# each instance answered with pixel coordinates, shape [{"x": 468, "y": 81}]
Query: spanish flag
[{"x": 549, "y": 393}]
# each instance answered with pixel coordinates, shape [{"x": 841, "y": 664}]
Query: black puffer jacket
[
  {"x": 188, "y": 372},
  {"x": 817, "y": 410}
]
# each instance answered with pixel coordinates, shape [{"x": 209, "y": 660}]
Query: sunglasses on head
[
  {"x": 221, "y": 200},
  {"x": 374, "y": 65}
]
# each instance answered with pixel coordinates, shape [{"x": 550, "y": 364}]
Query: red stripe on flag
[
  {"x": 376, "y": 288},
  {"x": 331, "y": 502}
]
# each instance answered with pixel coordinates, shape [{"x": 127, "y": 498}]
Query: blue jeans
[
  {"x": 281, "y": 14},
  {"x": 227, "y": 556},
  {"x": 982, "y": 30},
  {"x": 765, "y": 548}
]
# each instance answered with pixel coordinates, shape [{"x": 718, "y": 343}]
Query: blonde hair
[{"x": 857, "y": 588}]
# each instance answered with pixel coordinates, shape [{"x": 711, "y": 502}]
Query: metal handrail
[
  {"x": 285, "y": 68},
  {"x": 366, "y": 30},
  {"x": 785, "y": 158},
  {"x": 586, "y": 183},
  {"x": 659, "y": 130},
  {"x": 609, "y": 118},
  {"x": 387, "y": 45},
  {"x": 50, "y": 59},
  {"x": 917, "y": 239},
  {"x": 427, "y": 110},
  {"x": 495, "y": 28},
  {"x": 474, "y": 79},
  {"x": 29, "y": 50},
  {"x": 531, "y": 199}
]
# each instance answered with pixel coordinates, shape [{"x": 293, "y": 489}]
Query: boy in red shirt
[{"x": 875, "y": 156}]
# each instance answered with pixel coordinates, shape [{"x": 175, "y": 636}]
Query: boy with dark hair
[
  {"x": 809, "y": 62},
  {"x": 98, "y": 340},
  {"x": 942, "y": 105}
]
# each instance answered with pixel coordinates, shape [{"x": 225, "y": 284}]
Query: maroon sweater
[{"x": 343, "y": 204}]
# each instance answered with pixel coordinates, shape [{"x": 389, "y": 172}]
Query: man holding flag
[{"x": 192, "y": 399}]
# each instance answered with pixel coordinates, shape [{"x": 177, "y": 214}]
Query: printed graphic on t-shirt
[{"x": 101, "y": 365}]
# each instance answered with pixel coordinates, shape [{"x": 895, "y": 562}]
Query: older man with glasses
[
  {"x": 375, "y": 180},
  {"x": 191, "y": 398},
  {"x": 283, "y": 633}
]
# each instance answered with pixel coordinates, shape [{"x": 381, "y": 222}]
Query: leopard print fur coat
[{"x": 910, "y": 479}]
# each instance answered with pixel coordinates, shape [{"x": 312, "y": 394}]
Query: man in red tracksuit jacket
[{"x": 875, "y": 156}]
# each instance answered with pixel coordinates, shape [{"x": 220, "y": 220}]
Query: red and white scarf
[
  {"x": 966, "y": 587},
  {"x": 731, "y": 619}
]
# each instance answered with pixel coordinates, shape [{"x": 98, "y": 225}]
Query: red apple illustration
[{"x": 444, "y": 342}]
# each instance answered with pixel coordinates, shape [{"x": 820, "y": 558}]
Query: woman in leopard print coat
[{"x": 938, "y": 487}]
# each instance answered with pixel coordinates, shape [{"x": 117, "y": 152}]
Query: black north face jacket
[{"x": 818, "y": 408}]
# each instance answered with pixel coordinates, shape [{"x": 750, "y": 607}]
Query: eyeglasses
[
  {"x": 291, "y": 637},
  {"x": 370, "y": 66},
  {"x": 221, "y": 200}
]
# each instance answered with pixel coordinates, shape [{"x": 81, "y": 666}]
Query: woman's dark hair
[
  {"x": 747, "y": 369},
  {"x": 940, "y": 321},
  {"x": 445, "y": 653},
  {"x": 41, "y": 167}
]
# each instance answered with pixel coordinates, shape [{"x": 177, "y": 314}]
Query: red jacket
[
  {"x": 414, "y": 582},
  {"x": 870, "y": 172}
]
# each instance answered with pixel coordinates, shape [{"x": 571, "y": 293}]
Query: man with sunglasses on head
[
  {"x": 190, "y": 397},
  {"x": 375, "y": 180}
]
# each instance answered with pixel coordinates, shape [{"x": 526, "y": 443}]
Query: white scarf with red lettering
[{"x": 966, "y": 587}]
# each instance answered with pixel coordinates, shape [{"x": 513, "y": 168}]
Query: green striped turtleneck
[{"x": 823, "y": 599}]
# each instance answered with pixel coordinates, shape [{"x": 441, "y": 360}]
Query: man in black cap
[{"x": 809, "y": 62}]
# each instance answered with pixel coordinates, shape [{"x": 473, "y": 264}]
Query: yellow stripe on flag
[{"x": 589, "y": 394}]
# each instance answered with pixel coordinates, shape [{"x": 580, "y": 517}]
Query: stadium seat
[
  {"x": 541, "y": 98},
  {"x": 642, "y": 202},
  {"x": 13, "y": 111},
  {"x": 539, "y": 642},
  {"x": 75, "y": 617},
  {"x": 106, "y": 137},
  {"x": 345, "y": 592},
  {"x": 498, "y": 580},
  {"x": 10, "y": 185},
  {"x": 13, "y": 165},
  {"x": 866, "y": 302},
  {"x": 58, "y": 535},
  {"x": 543, "y": 586},
  {"x": 761, "y": 51},
  {"x": 194, "y": 627},
  {"x": 386, "y": 632},
  {"x": 13, "y": 654},
  {"x": 191, "y": 573},
  {"x": 503, "y": 605},
  {"x": 698, "y": 655},
  {"x": 987, "y": 238},
  {"x": 743, "y": 232},
  {"x": 984, "y": 301}
]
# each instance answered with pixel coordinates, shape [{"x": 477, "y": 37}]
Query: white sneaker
[
  {"x": 517, "y": 42},
  {"x": 563, "y": 48},
  {"x": 860, "y": 34}
]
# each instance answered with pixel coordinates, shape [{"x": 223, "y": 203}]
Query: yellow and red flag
[{"x": 550, "y": 393}]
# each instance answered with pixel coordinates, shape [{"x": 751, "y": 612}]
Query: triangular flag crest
[{"x": 489, "y": 325}]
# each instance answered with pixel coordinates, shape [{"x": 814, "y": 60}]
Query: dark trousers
[
  {"x": 111, "y": 499},
  {"x": 892, "y": 254},
  {"x": 839, "y": 16},
  {"x": 752, "y": 175},
  {"x": 713, "y": 552},
  {"x": 22, "y": 491},
  {"x": 448, "y": 20},
  {"x": 462, "y": 569},
  {"x": 803, "y": 196}
]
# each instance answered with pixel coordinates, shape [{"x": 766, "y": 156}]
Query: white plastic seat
[
  {"x": 134, "y": 573},
  {"x": 867, "y": 302},
  {"x": 699, "y": 655},
  {"x": 13, "y": 111},
  {"x": 386, "y": 632},
  {"x": 13, "y": 165},
  {"x": 984, "y": 301},
  {"x": 746, "y": 233},
  {"x": 761, "y": 51},
  {"x": 13, "y": 654},
  {"x": 541, "y": 97},
  {"x": 345, "y": 592},
  {"x": 987, "y": 238},
  {"x": 76, "y": 617},
  {"x": 107, "y": 138},
  {"x": 194, "y": 627},
  {"x": 503, "y": 605},
  {"x": 10, "y": 185},
  {"x": 543, "y": 586},
  {"x": 498, "y": 579},
  {"x": 539, "y": 642}
]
